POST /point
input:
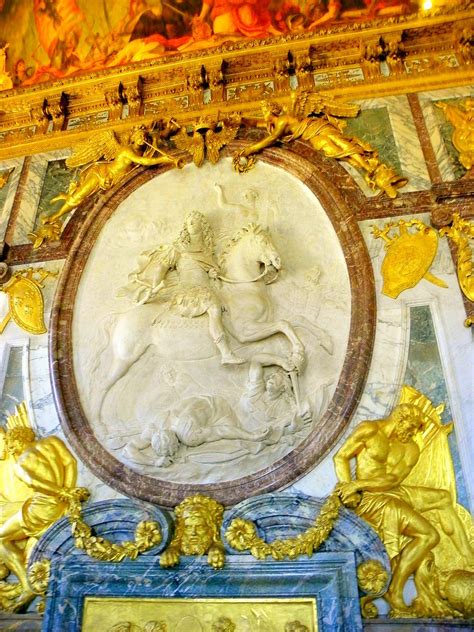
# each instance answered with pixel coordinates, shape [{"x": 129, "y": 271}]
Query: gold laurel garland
[
  {"x": 242, "y": 535},
  {"x": 147, "y": 535}
]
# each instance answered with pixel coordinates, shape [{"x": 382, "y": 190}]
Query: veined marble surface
[
  {"x": 26, "y": 218},
  {"x": 400, "y": 135},
  {"x": 448, "y": 163},
  {"x": 7, "y": 194}
]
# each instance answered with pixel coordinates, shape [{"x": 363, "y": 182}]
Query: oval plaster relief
[{"x": 170, "y": 381}]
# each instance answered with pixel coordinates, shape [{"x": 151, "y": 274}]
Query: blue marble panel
[{"x": 329, "y": 577}]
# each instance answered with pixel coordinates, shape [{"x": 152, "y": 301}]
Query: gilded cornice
[{"x": 236, "y": 75}]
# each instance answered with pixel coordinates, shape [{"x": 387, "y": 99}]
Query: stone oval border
[{"x": 339, "y": 196}]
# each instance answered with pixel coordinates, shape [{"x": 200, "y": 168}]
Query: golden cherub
[
  {"x": 316, "y": 119},
  {"x": 119, "y": 160},
  {"x": 462, "y": 118}
]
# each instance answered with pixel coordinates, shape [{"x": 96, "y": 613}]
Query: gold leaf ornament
[{"x": 242, "y": 535}]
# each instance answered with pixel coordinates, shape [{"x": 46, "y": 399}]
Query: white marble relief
[
  {"x": 427, "y": 102},
  {"x": 25, "y": 220},
  {"x": 162, "y": 356},
  {"x": 14, "y": 165}
]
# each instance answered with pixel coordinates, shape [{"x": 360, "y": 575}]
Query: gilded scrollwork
[
  {"x": 197, "y": 531},
  {"x": 461, "y": 231},
  {"x": 319, "y": 121},
  {"x": 409, "y": 255},
  {"x": 372, "y": 579},
  {"x": 404, "y": 488},
  {"x": 106, "y": 160},
  {"x": 242, "y": 535}
]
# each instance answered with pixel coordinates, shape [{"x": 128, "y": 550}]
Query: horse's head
[{"x": 254, "y": 247}]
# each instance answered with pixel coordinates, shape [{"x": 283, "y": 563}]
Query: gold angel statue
[
  {"x": 207, "y": 138},
  {"x": 107, "y": 161},
  {"x": 317, "y": 119}
]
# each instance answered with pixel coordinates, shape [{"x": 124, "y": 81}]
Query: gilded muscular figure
[
  {"x": 386, "y": 452},
  {"x": 37, "y": 482}
]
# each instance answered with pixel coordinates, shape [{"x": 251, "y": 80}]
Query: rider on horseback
[{"x": 191, "y": 255}]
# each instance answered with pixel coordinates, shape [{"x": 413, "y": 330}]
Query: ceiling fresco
[{"x": 65, "y": 38}]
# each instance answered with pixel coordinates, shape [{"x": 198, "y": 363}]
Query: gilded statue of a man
[
  {"x": 37, "y": 481},
  {"x": 385, "y": 453}
]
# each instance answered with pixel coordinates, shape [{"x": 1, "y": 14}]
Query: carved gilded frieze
[{"x": 379, "y": 57}]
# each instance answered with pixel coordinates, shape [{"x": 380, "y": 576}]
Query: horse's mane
[{"x": 249, "y": 229}]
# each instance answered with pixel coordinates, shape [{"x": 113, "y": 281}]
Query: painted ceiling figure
[
  {"x": 250, "y": 18},
  {"x": 169, "y": 22}
]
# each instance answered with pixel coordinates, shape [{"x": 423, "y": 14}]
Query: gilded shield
[
  {"x": 408, "y": 259},
  {"x": 26, "y": 304}
]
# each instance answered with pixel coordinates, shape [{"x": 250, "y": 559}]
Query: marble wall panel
[
  {"x": 440, "y": 129},
  {"x": 8, "y": 192},
  {"x": 388, "y": 125},
  {"x": 32, "y": 194}
]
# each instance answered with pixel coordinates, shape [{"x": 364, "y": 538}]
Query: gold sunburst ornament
[{"x": 409, "y": 255}]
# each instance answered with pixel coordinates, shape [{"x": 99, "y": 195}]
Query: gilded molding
[{"x": 418, "y": 50}]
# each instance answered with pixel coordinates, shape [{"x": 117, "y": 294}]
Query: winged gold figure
[
  {"x": 316, "y": 118},
  {"x": 107, "y": 161},
  {"x": 207, "y": 138}
]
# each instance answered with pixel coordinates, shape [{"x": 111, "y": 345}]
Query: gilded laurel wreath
[
  {"x": 147, "y": 535},
  {"x": 242, "y": 535}
]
